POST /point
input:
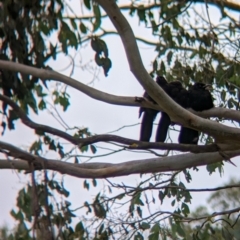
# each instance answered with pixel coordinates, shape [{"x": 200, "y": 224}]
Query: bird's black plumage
[
  {"x": 180, "y": 95},
  {"x": 149, "y": 114},
  {"x": 165, "y": 120},
  {"x": 200, "y": 99},
  {"x": 188, "y": 136},
  {"x": 163, "y": 126},
  {"x": 147, "y": 123}
]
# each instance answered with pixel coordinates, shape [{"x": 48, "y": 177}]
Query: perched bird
[
  {"x": 149, "y": 114},
  {"x": 180, "y": 95},
  {"x": 200, "y": 99}
]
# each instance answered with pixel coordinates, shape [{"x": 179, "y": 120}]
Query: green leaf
[
  {"x": 97, "y": 14},
  {"x": 79, "y": 228},
  {"x": 83, "y": 28},
  {"x": 13, "y": 115},
  {"x": 212, "y": 167},
  {"x": 86, "y": 184},
  {"x": 107, "y": 64},
  {"x": 180, "y": 231},
  {"x": 223, "y": 95},
  {"x": 161, "y": 196},
  {"x": 99, "y": 60},
  {"x": 84, "y": 148},
  {"x": 53, "y": 50},
  {"x": 162, "y": 68},
  {"x": 74, "y": 25},
  {"x": 99, "y": 46},
  {"x": 120, "y": 196},
  {"x": 141, "y": 14},
  {"x": 44, "y": 28},
  {"x": 3, "y": 124},
  {"x": 137, "y": 199},
  {"x": 139, "y": 211},
  {"x": 52, "y": 145},
  {"x": 187, "y": 175},
  {"x": 175, "y": 23},
  {"x": 154, "y": 26},
  {"x": 64, "y": 102},
  {"x": 185, "y": 209},
  {"x": 94, "y": 182},
  {"x": 155, "y": 65},
  {"x": 138, "y": 236},
  {"x": 99, "y": 209},
  {"x": 39, "y": 91},
  {"x": 67, "y": 37},
  {"x": 144, "y": 225},
  {"x": 154, "y": 232},
  {"x": 169, "y": 57},
  {"x": 153, "y": 236},
  {"x": 101, "y": 229},
  {"x": 42, "y": 105},
  {"x": 87, "y": 4},
  {"x": 60, "y": 150},
  {"x": 36, "y": 147},
  {"x": 62, "y": 99},
  {"x": 155, "y": 228}
]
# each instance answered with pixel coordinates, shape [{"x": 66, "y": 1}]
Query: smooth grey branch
[{"x": 105, "y": 170}]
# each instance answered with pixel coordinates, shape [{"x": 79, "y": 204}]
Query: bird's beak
[{"x": 208, "y": 87}]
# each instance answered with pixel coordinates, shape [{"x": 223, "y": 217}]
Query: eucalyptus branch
[
  {"x": 134, "y": 190},
  {"x": 219, "y": 3},
  {"x": 209, "y": 217},
  {"x": 46, "y": 74},
  {"x": 105, "y": 97},
  {"x": 190, "y": 219},
  {"x": 105, "y": 170}
]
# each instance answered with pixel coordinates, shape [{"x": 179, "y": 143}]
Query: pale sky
[{"x": 101, "y": 118}]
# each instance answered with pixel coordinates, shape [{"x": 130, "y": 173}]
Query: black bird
[
  {"x": 200, "y": 99},
  {"x": 180, "y": 95},
  {"x": 149, "y": 114}
]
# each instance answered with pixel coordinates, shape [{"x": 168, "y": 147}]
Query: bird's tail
[
  {"x": 188, "y": 136},
  {"x": 147, "y": 124},
  {"x": 163, "y": 125}
]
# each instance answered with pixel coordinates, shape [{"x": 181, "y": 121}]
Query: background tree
[
  {"x": 190, "y": 46},
  {"x": 219, "y": 227}
]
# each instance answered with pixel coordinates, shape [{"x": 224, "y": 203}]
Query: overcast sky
[{"x": 101, "y": 118}]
